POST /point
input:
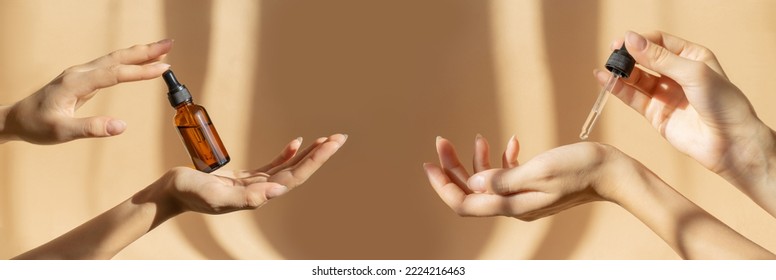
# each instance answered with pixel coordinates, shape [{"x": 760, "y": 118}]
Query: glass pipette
[
  {"x": 598, "y": 107},
  {"x": 620, "y": 64}
]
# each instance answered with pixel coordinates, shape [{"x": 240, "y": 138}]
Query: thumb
[
  {"x": 659, "y": 59},
  {"x": 498, "y": 181},
  {"x": 95, "y": 127}
]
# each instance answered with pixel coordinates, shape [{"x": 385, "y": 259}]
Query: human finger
[
  {"x": 135, "y": 55},
  {"x": 481, "y": 159},
  {"x": 450, "y": 163},
  {"x": 456, "y": 196},
  {"x": 665, "y": 61},
  {"x": 100, "y": 126},
  {"x": 299, "y": 156},
  {"x": 286, "y": 154},
  {"x": 233, "y": 198},
  {"x": 104, "y": 77},
  {"x": 302, "y": 170},
  {"x": 686, "y": 49},
  {"x": 509, "y": 157}
]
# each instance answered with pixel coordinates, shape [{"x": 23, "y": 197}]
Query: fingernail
[
  {"x": 636, "y": 41},
  {"x": 477, "y": 183},
  {"x": 297, "y": 142},
  {"x": 162, "y": 65},
  {"x": 346, "y": 136},
  {"x": 276, "y": 191},
  {"x": 478, "y": 137},
  {"x": 115, "y": 127},
  {"x": 164, "y": 41}
]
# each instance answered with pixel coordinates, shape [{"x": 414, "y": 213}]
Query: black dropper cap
[
  {"x": 178, "y": 93},
  {"x": 620, "y": 62}
]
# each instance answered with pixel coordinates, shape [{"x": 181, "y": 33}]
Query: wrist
[
  {"x": 617, "y": 171},
  {"x": 757, "y": 177},
  {"x": 159, "y": 194},
  {"x": 751, "y": 165}
]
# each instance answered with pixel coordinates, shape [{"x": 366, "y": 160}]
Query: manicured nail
[
  {"x": 477, "y": 183},
  {"x": 615, "y": 44},
  {"x": 115, "y": 127},
  {"x": 162, "y": 65},
  {"x": 164, "y": 41},
  {"x": 297, "y": 142},
  {"x": 276, "y": 191},
  {"x": 346, "y": 136},
  {"x": 636, "y": 41},
  {"x": 478, "y": 137}
]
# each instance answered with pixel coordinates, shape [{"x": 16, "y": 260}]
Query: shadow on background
[
  {"x": 571, "y": 36},
  {"x": 392, "y": 75}
]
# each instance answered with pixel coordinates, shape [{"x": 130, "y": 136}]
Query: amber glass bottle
[{"x": 196, "y": 130}]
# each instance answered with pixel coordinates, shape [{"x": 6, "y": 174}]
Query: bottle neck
[
  {"x": 178, "y": 96},
  {"x": 185, "y": 103}
]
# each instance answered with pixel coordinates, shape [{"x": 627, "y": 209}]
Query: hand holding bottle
[{"x": 48, "y": 115}]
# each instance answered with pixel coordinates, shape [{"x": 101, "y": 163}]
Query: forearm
[
  {"x": 105, "y": 235},
  {"x": 691, "y": 231}
]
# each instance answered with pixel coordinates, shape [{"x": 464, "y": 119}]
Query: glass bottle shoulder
[{"x": 190, "y": 114}]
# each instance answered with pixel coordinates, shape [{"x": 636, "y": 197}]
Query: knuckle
[
  {"x": 60, "y": 132},
  {"x": 461, "y": 212},
  {"x": 502, "y": 185},
  {"x": 704, "y": 73},
  {"x": 660, "y": 55},
  {"x": 115, "y": 56},
  {"x": 69, "y": 79},
  {"x": 138, "y": 47},
  {"x": 93, "y": 128},
  {"x": 254, "y": 201},
  {"x": 71, "y": 69},
  {"x": 706, "y": 54},
  {"x": 177, "y": 171}
]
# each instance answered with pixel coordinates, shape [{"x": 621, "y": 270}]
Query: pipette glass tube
[
  {"x": 620, "y": 64},
  {"x": 598, "y": 107}
]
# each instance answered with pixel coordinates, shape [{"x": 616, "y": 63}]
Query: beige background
[{"x": 392, "y": 75}]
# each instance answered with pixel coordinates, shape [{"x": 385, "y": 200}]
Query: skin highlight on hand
[{"x": 694, "y": 106}]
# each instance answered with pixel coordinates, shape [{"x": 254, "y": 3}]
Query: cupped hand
[
  {"x": 549, "y": 183},
  {"x": 225, "y": 191},
  {"x": 48, "y": 115}
]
